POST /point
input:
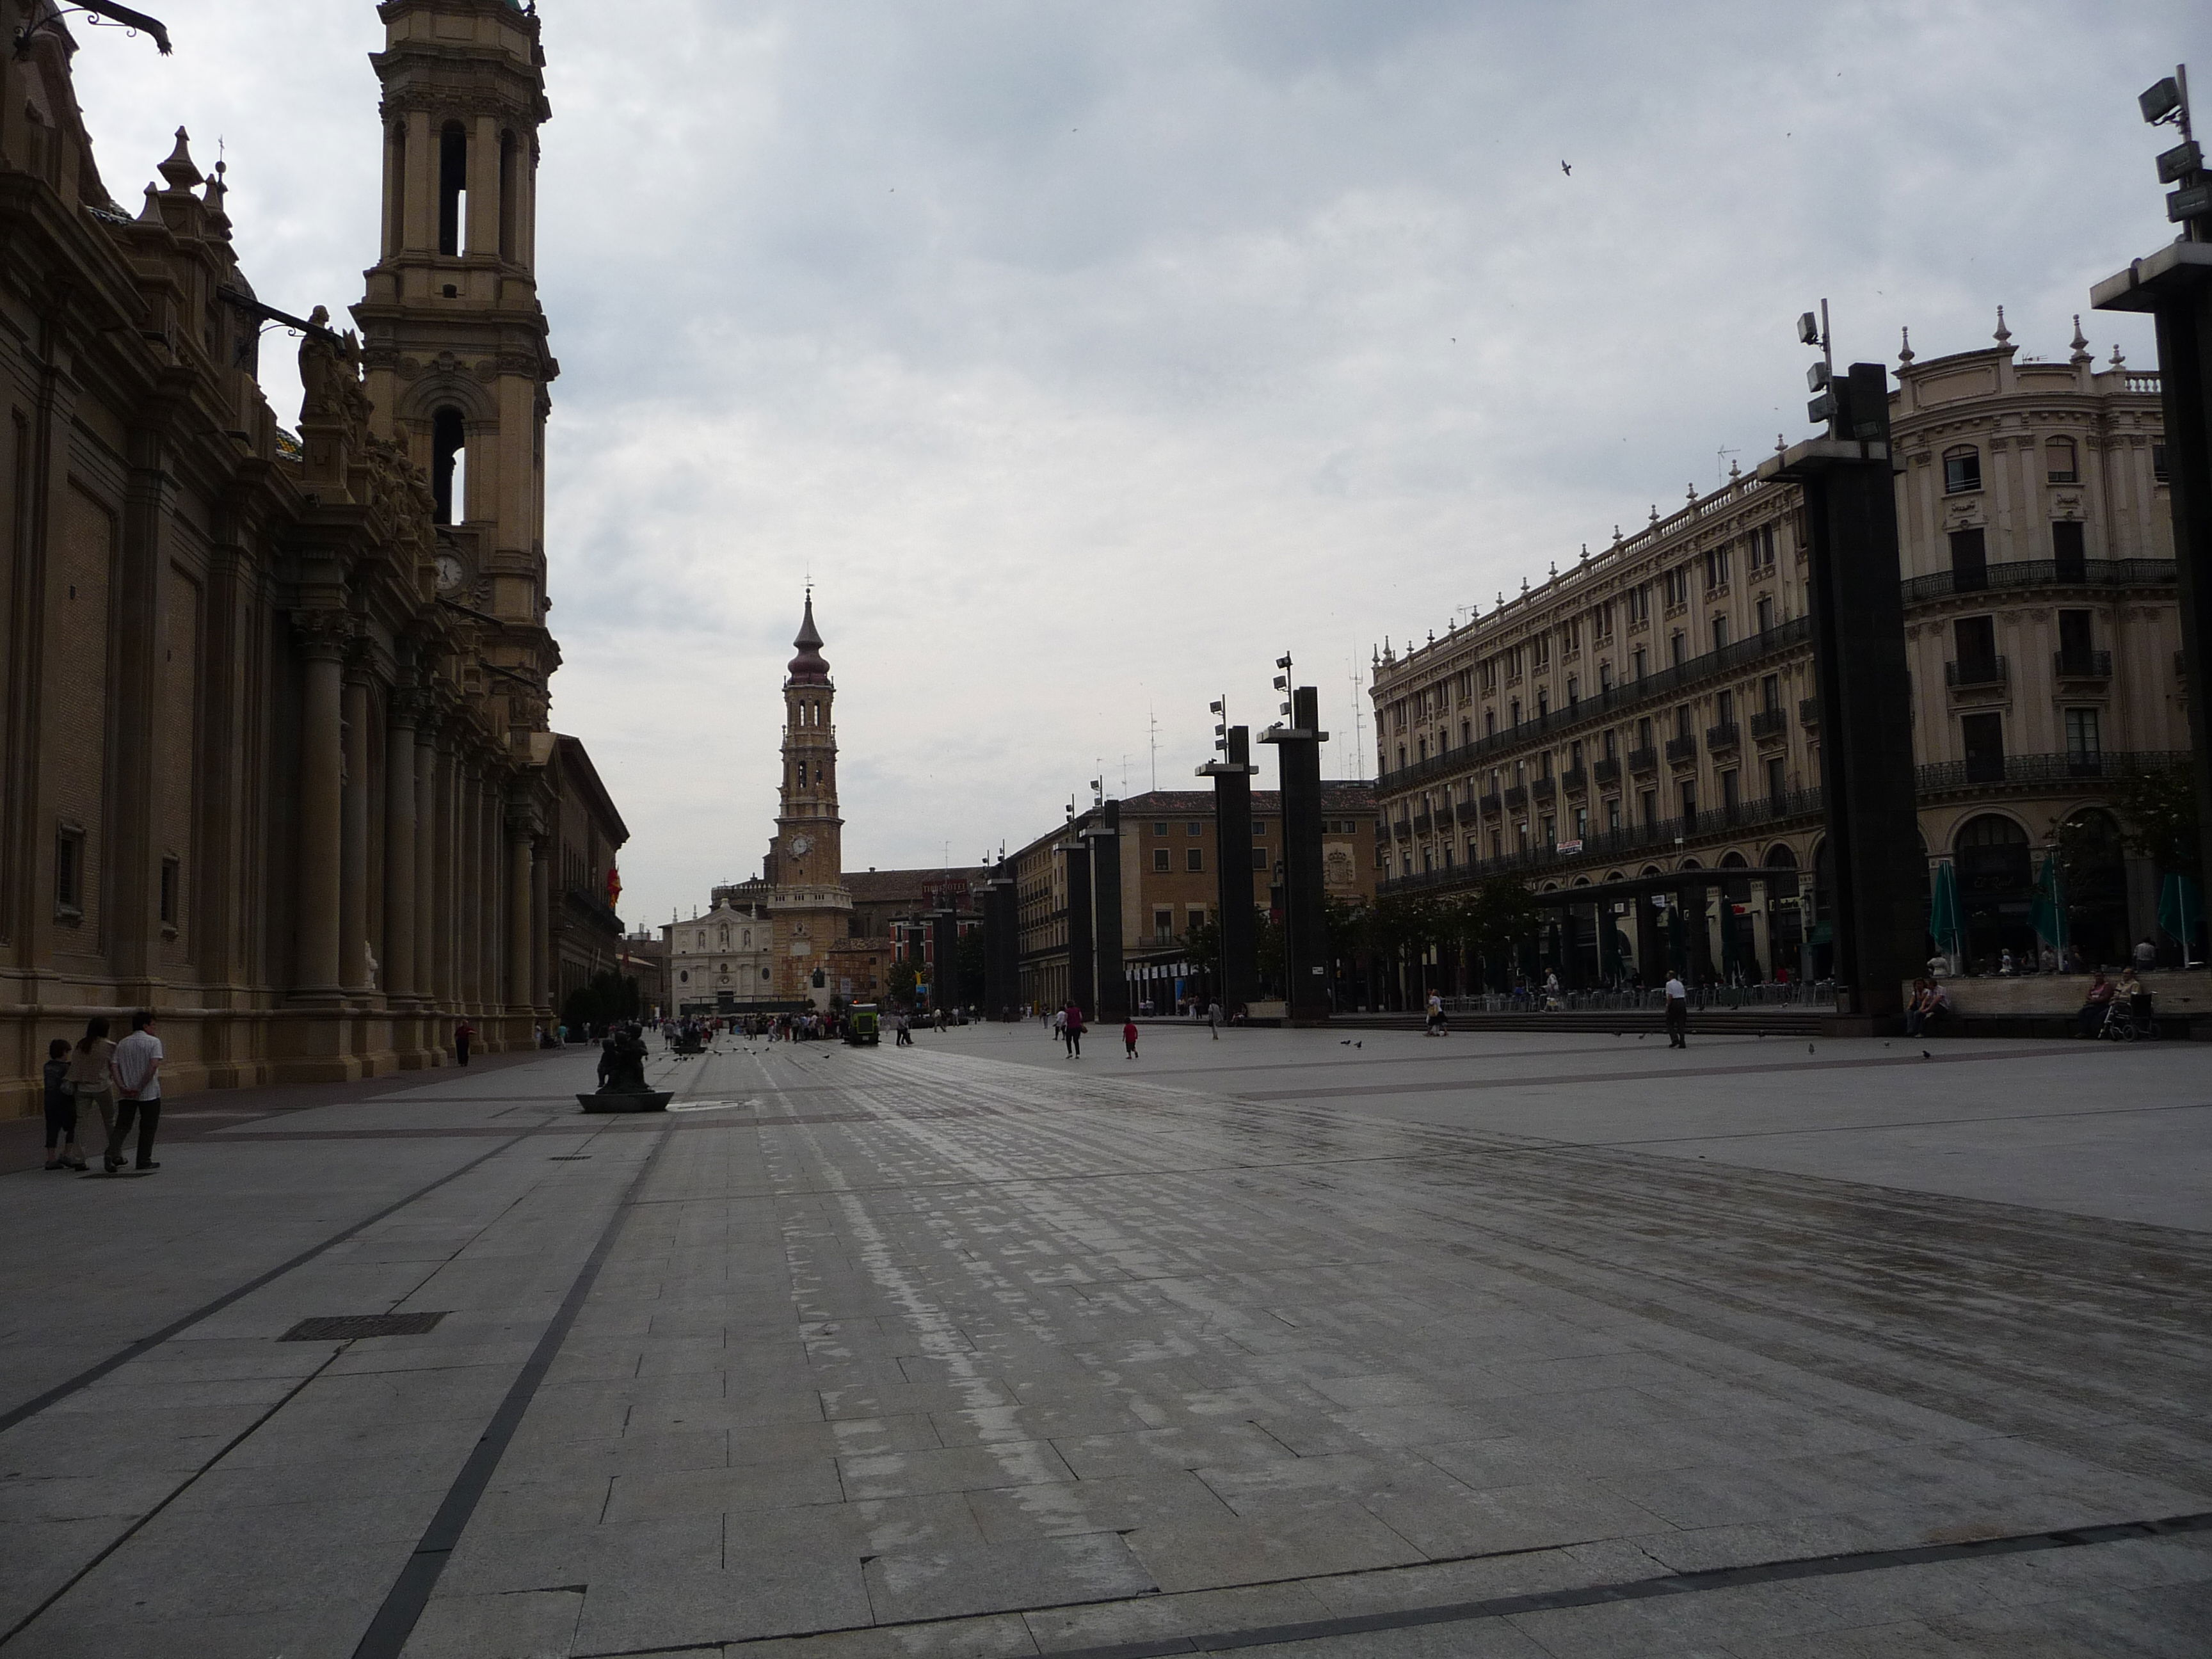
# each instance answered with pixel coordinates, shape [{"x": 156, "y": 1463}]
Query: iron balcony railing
[
  {"x": 1769, "y": 723},
  {"x": 1808, "y": 711},
  {"x": 1421, "y": 824},
  {"x": 1516, "y": 797},
  {"x": 1623, "y": 693},
  {"x": 1575, "y": 779},
  {"x": 2082, "y": 665},
  {"x": 1491, "y": 805},
  {"x": 1403, "y": 831},
  {"x": 1964, "y": 676},
  {"x": 1644, "y": 760},
  {"x": 2016, "y": 769},
  {"x": 1606, "y": 845},
  {"x": 1544, "y": 790},
  {"x": 1941, "y": 777},
  {"x": 1721, "y": 736},
  {"x": 1680, "y": 751},
  {"x": 1609, "y": 773},
  {"x": 2041, "y": 573}
]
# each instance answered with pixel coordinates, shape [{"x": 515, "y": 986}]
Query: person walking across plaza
[
  {"x": 135, "y": 1065},
  {"x": 1214, "y": 1018},
  {"x": 89, "y": 1081},
  {"x": 1436, "y": 1023},
  {"x": 1678, "y": 1012},
  {"x": 1072, "y": 1030},
  {"x": 62, "y": 1152},
  {"x": 902, "y": 1027},
  {"x": 463, "y": 1034},
  {"x": 1129, "y": 1037}
]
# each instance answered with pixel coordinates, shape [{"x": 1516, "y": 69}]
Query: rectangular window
[
  {"x": 2076, "y": 643},
  {"x": 1647, "y": 806},
  {"x": 1194, "y": 859},
  {"x": 1163, "y": 927},
  {"x": 1774, "y": 781},
  {"x": 171, "y": 870},
  {"x": 1489, "y": 722},
  {"x": 1159, "y": 829},
  {"x": 1766, "y": 613},
  {"x": 1962, "y": 470},
  {"x": 1677, "y": 648},
  {"x": 1605, "y": 677},
  {"x": 2084, "y": 748},
  {"x": 1636, "y": 662},
  {"x": 1259, "y": 858},
  {"x": 1716, "y": 568},
  {"x": 1258, "y": 828},
  {"x": 1982, "y": 739},
  {"x": 1975, "y": 639},
  {"x": 1731, "y": 791},
  {"x": 1770, "y": 693},
  {"x": 2068, "y": 551},
  {"x": 1550, "y": 834},
  {"x": 1970, "y": 562},
  {"x": 1720, "y": 633},
  {"x": 1724, "y": 709},
  {"x": 68, "y": 873},
  {"x": 1160, "y": 863},
  {"x": 1612, "y": 812},
  {"x": 1688, "y": 790}
]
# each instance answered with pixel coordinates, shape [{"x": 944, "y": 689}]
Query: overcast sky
[{"x": 1089, "y": 357}]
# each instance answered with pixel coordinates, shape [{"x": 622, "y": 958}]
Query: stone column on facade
[
  {"x": 322, "y": 637},
  {"x": 426, "y": 857},
  {"x": 444, "y": 955},
  {"x": 353, "y": 830},
  {"x": 468, "y": 807},
  {"x": 543, "y": 966},
  {"x": 490, "y": 859},
  {"x": 521, "y": 834},
  {"x": 401, "y": 711}
]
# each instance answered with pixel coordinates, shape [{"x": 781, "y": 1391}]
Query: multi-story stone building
[
  {"x": 1171, "y": 880},
  {"x": 278, "y": 760},
  {"x": 1650, "y": 709}
]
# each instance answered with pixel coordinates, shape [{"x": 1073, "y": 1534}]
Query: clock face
[
  {"x": 449, "y": 573},
  {"x": 801, "y": 846}
]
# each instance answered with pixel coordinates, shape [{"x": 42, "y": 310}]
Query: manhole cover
[{"x": 340, "y": 1328}]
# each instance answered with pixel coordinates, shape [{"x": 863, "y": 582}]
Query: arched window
[
  {"x": 449, "y": 464},
  {"x": 1962, "y": 469},
  {"x": 1990, "y": 829},
  {"x": 2059, "y": 463},
  {"x": 452, "y": 188},
  {"x": 398, "y": 190},
  {"x": 510, "y": 196}
]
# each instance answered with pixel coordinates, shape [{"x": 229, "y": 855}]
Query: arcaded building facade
[
  {"x": 1651, "y": 708},
  {"x": 278, "y": 760}
]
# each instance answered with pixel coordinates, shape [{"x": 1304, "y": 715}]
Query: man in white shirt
[
  {"x": 135, "y": 1065},
  {"x": 1678, "y": 1012}
]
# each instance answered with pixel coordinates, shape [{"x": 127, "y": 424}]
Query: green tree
[
  {"x": 968, "y": 968},
  {"x": 907, "y": 983},
  {"x": 607, "y": 997},
  {"x": 2157, "y": 818}
]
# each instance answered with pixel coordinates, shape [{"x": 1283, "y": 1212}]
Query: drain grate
[{"x": 343, "y": 1327}]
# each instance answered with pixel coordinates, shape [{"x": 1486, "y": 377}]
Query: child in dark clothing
[{"x": 61, "y": 1110}]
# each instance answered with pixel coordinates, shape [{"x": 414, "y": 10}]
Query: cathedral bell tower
[
  {"x": 454, "y": 339},
  {"x": 808, "y": 901}
]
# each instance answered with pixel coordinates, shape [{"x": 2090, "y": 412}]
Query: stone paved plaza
[{"x": 1512, "y": 1345}]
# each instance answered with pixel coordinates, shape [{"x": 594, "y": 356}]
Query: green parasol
[{"x": 1943, "y": 910}]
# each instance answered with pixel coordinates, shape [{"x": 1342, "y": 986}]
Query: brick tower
[{"x": 808, "y": 901}]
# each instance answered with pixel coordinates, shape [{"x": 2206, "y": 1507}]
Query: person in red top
[
  {"x": 1129, "y": 1037},
  {"x": 463, "y": 1034},
  {"x": 1072, "y": 1031}
]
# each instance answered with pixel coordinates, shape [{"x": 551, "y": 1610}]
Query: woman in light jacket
[{"x": 88, "y": 1080}]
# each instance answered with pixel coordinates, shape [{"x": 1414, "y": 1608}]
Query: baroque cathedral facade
[{"x": 278, "y": 759}]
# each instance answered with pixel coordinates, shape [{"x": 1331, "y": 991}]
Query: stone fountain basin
[{"x": 650, "y": 1102}]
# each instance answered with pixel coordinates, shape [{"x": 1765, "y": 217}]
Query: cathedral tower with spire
[
  {"x": 453, "y": 338},
  {"x": 808, "y": 901}
]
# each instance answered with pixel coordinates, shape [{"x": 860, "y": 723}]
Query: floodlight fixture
[
  {"x": 1817, "y": 377},
  {"x": 1215, "y": 706},
  {"x": 1808, "y": 329},
  {"x": 1282, "y": 682},
  {"x": 1282, "y": 708},
  {"x": 1283, "y": 662},
  {"x": 2180, "y": 159},
  {"x": 2162, "y": 102}
]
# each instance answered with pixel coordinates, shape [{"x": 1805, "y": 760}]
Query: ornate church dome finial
[
  {"x": 2003, "y": 335},
  {"x": 809, "y": 664},
  {"x": 2080, "y": 344}
]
